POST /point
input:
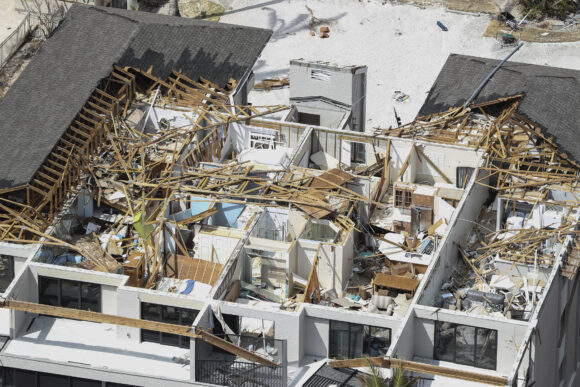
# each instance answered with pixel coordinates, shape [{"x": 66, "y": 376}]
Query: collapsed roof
[
  {"x": 53, "y": 88},
  {"x": 551, "y": 95}
]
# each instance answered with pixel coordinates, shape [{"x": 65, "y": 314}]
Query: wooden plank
[
  {"x": 182, "y": 330},
  {"x": 86, "y": 315},
  {"x": 396, "y": 282},
  {"x": 312, "y": 283},
  {"x": 357, "y": 363},
  {"x": 422, "y": 368},
  {"x": 405, "y": 164},
  {"x": 455, "y": 373},
  {"x": 435, "y": 167},
  {"x": 232, "y": 348}
]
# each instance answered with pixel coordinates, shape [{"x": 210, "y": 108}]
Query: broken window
[
  {"x": 462, "y": 176},
  {"x": 262, "y": 141},
  {"x": 463, "y": 344},
  {"x": 351, "y": 341},
  {"x": 403, "y": 198},
  {"x": 170, "y": 315},
  {"x": 69, "y": 294}
]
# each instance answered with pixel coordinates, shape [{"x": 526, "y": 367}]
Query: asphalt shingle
[
  {"x": 551, "y": 95},
  {"x": 52, "y": 89}
]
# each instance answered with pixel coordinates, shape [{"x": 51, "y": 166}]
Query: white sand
[
  {"x": 366, "y": 33},
  {"x": 9, "y": 17}
]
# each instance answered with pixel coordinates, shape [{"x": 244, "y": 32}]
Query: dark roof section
[
  {"x": 55, "y": 85},
  {"x": 551, "y": 95}
]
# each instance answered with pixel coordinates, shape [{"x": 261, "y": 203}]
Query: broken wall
[
  {"x": 459, "y": 228},
  {"x": 301, "y": 154}
]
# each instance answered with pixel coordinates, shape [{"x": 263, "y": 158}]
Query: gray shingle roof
[
  {"x": 551, "y": 95},
  {"x": 52, "y": 89}
]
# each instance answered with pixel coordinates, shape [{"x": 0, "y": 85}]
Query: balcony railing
[{"x": 238, "y": 373}]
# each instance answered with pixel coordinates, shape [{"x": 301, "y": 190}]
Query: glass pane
[
  {"x": 356, "y": 340},
  {"x": 444, "y": 341},
  {"x": 76, "y": 382},
  {"x": 6, "y": 271},
  {"x": 170, "y": 314},
  {"x": 70, "y": 294},
  {"x": 151, "y": 336},
  {"x": 52, "y": 380},
  {"x": 150, "y": 312},
  {"x": 49, "y": 289},
  {"x": 377, "y": 341},
  {"x": 91, "y": 297},
  {"x": 465, "y": 345},
  {"x": 188, "y": 316},
  {"x": 486, "y": 349},
  {"x": 22, "y": 378},
  {"x": 169, "y": 339},
  {"x": 339, "y": 333}
]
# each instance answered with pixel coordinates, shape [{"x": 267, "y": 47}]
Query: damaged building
[{"x": 158, "y": 230}]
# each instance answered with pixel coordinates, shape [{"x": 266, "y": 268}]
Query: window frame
[
  {"x": 367, "y": 338},
  {"x": 260, "y": 140},
  {"x": 166, "y": 338},
  {"x": 80, "y": 300},
  {"x": 9, "y": 374},
  {"x": 403, "y": 198},
  {"x": 454, "y": 326}
]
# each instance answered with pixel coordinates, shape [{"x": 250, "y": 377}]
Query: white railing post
[{"x": 17, "y": 37}]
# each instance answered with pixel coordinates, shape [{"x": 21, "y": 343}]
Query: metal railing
[
  {"x": 238, "y": 373},
  {"x": 13, "y": 42}
]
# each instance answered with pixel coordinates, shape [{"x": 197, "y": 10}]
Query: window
[
  {"x": 170, "y": 315},
  {"x": 462, "y": 176},
  {"x": 466, "y": 345},
  {"x": 320, "y": 75},
  {"x": 14, "y": 377},
  {"x": 357, "y": 152},
  {"x": 402, "y": 198},
  {"x": 6, "y": 271},
  {"x": 350, "y": 341},
  {"x": 262, "y": 141},
  {"x": 69, "y": 294},
  {"x": 309, "y": 119}
]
